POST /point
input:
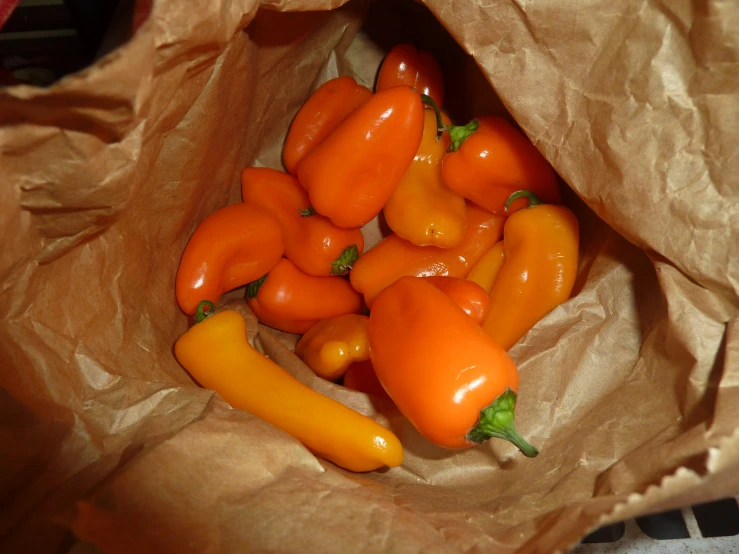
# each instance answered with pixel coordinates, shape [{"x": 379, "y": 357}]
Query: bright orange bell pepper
[
  {"x": 541, "y": 257},
  {"x": 489, "y": 160},
  {"x": 488, "y": 164},
  {"x": 486, "y": 271},
  {"x": 422, "y": 209},
  {"x": 326, "y": 108},
  {"x": 229, "y": 248},
  {"x": 288, "y": 299},
  {"x": 454, "y": 384},
  {"x": 394, "y": 257},
  {"x": 312, "y": 242},
  {"x": 469, "y": 296},
  {"x": 404, "y": 65},
  {"x": 361, "y": 377},
  {"x": 353, "y": 172},
  {"x": 333, "y": 344},
  {"x": 218, "y": 356}
]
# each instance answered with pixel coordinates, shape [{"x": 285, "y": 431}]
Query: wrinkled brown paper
[{"x": 630, "y": 389}]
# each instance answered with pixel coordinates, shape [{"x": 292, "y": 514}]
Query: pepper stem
[
  {"x": 205, "y": 309},
  {"x": 342, "y": 264},
  {"x": 426, "y": 99},
  {"x": 497, "y": 420},
  {"x": 307, "y": 212},
  {"x": 457, "y": 133},
  {"x": 253, "y": 288},
  {"x": 533, "y": 199}
]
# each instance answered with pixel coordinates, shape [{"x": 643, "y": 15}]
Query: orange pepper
[
  {"x": 286, "y": 297},
  {"x": 361, "y": 377},
  {"x": 422, "y": 209},
  {"x": 353, "y": 172},
  {"x": 218, "y": 356},
  {"x": 333, "y": 344},
  {"x": 489, "y": 159},
  {"x": 312, "y": 242},
  {"x": 541, "y": 256},
  {"x": 404, "y": 65},
  {"x": 229, "y": 248},
  {"x": 394, "y": 257},
  {"x": 326, "y": 108},
  {"x": 469, "y": 296},
  {"x": 487, "y": 269},
  {"x": 454, "y": 384}
]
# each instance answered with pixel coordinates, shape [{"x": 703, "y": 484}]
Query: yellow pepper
[
  {"x": 218, "y": 356},
  {"x": 422, "y": 209},
  {"x": 333, "y": 344},
  {"x": 485, "y": 272}
]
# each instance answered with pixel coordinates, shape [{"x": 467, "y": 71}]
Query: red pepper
[{"x": 404, "y": 65}]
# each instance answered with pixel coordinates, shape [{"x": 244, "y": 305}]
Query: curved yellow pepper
[
  {"x": 216, "y": 353},
  {"x": 486, "y": 271},
  {"x": 333, "y": 344}
]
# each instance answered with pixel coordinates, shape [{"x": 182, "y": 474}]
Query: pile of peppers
[{"x": 481, "y": 249}]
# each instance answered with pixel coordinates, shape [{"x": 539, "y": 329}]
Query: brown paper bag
[{"x": 630, "y": 389}]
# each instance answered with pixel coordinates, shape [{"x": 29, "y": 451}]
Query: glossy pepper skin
[
  {"x": 490, "y": 163},
  {"x": 452, "y": 382},
  {"x": 353, "y": 172},
  {"x": 404, "y": 65},
  {"x": 486, "y": 271},
  {"x": 394, "y": 257},
  {"x": 541, "y": 257},
  {"x": 422, "y": 209},
  {"x": 469, "y": 296},
  {"x": 293, "y": 301},
  {"x": 333, "y": 344},
  {"x": 326, "y": 108},
  {"x": 231, "y": 247},
  {"x": 312, "y": 242},
  {"x": 218, "y": 356},
  {"x": 361, "y": 377}
]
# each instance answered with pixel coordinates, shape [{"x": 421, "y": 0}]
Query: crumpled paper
[{"x": 630, "y": 389}]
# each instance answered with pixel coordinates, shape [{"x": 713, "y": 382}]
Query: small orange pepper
[
  {"x": 217, "y": 354},
  {"x": 286, "y": 296},
  {"x": 361, "y": 377},
  {"x": 454, "y": 384},
  {"x": 231, "y": 247},
  {"x": 469, "y": 296},
  {"x": 326, "y": 108},
  {"x": 422, "y": 209},
  {"x": 486, "y": 271},
  {"x": 404, "y": 65},
  {"x": 394, "y": 257},
  {"x": 541, "y": 256},
  {"x": 489, "y": 159},
  {"x": 312, "y": 242},
  {"x": 353, "y": 172},
  {"x": 333, "y": 344}
]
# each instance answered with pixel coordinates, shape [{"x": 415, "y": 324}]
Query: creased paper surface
[{"x": 629, "y": 389}]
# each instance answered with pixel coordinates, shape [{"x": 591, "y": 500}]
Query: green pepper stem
[
  {"x": 202, "y": 313},
  {"x": 307, "y": 212},
  {"x": 497, "y": 420},
  {"x": 533, "y": 199},
  {"x": 426, "y": 99},
  {"x": 342, "y": 264},
  {"x": 457, "y": 133},
  {"x": 253, "y": 288}
]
